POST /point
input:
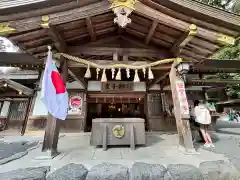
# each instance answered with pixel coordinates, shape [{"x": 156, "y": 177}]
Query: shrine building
[{"x": 116, "y": 58}]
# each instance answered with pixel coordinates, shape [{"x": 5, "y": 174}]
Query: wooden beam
[
  {"x": 138, "y": 52},
  {"x": 151, "y": 32},
  {"x": 214, "y": 81},
  {"x": 125, "y": 57},
  {"x": 158, "y": 79},
  {"x": 165, "y": 19},
  {"x": 32, "y": 23},
  {"x": 90, "y": 29},
  {"x": 18, "y": 87},
  {"x": 80, "y": 80},
  {"x": 61, "y": 6},
  {"x": 59, "y": 42},
  {"x": 184, "y": 40}
]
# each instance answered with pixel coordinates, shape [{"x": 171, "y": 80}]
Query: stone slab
[
  {"x": 145, "y": 171},
  {"x": 108, "y": 171},
  {"x": 38, "y": 173},
  {"x": 69, "y": 172}
]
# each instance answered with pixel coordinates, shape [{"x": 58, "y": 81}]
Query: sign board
[
  {"x": 182, "y": 97},
  {"x": 117, "y": 86},
  {"x": 75, "y": 105}
]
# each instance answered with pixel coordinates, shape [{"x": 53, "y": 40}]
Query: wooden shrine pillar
[
  {"x": 181, "y": 109},
  {"x": 52, "y": 129}
]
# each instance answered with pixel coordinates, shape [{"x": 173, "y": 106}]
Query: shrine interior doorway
[{"x": 115, "y": 106}]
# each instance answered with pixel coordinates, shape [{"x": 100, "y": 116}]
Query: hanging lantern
[
  {"x": 128, "y": 72},
  {"x": 97, "y": 72},
  {"x": 144, "y": 72},
  {"x": 136, "y": 78},
  {"x": 150, "y": 74},
  {"x": 104, "y": 77},
  {"x": 118, "y": 77},
  {"x": 88, "y": 73},
  {"x": 113, "y": 71}
]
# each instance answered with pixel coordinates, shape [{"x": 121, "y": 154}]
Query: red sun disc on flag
[{"x": 58, "y": 82}]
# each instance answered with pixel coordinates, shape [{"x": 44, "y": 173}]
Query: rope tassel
[
  {"x": 150, "y": 74},
  {"x": 113, "y": 71},
  {"x": 88, "y": 73},
  {"x": 118, "y": 77},
  {"x": 136, "y": 78},
  {"x": 104, "y": 77},
  {"x": 97, "y": 72}
]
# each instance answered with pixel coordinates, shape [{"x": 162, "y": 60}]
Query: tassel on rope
[
  {"x": 150, "y": 74},
  {"x": 97, "y": 72},
  {"x": 88, "y": 73},
  {"x": 144, "y": 72},
  {"x": 104, "y": 77},
  {"x": 128, "y": 72},
  {"x": 113, "y": 71},
  {"x": 136, "y": 78},
  {"x": 118, "y": 77}
]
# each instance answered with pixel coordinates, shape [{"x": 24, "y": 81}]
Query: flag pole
[{"x": 52, "y": 128}]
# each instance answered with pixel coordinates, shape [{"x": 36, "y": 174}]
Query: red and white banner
[
  {"x": 75, "y": 105},
  {"x": 182, "y": 97}
]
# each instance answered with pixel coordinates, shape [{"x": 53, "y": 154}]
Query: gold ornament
[
  {"x": 5, "y": 29},
  {"x": 45, "y": 22},
  {"x": 118, "y": 131}
]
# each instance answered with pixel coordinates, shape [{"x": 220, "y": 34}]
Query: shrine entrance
[{"x": 114, "y": 106}]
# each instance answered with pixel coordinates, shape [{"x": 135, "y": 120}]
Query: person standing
[{"x": 203, "y": 118}]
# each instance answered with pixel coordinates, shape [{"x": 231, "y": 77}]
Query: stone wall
[{"x": 211, "y": 170}]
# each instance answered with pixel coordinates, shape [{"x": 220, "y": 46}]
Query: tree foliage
[
  {"x": 229, "y": 5},
  {"x": 230, "y": 52}
]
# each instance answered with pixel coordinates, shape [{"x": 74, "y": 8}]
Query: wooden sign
[{"x": 117, "y": 86}]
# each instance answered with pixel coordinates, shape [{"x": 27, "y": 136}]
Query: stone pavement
[{"x": 160, "y": 155}]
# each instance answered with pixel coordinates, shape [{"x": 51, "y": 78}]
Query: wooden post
[
  {"x": 52, "y": 129},
  {"x": 181, "y": 116}
]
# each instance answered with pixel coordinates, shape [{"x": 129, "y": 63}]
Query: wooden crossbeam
[
  {"x": 17, "y": 86},
  {"x": 214, "y": 81},
  {"x": 61, "y": 46},
  {"x": 59, "y": 43},
  {"x": 151, "y": 32},
  {"x": 184, "y": 40},
  {"x": 90, "y": 28},
  {"x": 158, "y": 79},
  {"x": 138, "y": 52}
]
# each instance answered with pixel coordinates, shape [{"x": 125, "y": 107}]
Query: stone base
[{"x": 47, "y": 155}]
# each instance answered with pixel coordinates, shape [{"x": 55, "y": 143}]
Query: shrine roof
[{"x": 163, "y": 26}]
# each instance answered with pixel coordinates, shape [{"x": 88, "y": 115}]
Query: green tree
[
  {"x": 229, "y": 5},
  {"x": 230, "y": 52}
]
